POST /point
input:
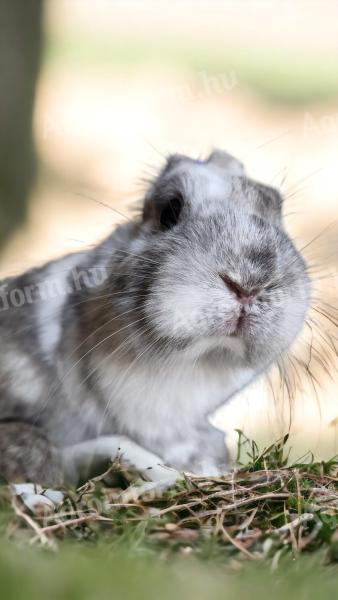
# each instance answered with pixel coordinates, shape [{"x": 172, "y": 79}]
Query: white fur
[
  {"x": 53, "y": 298},
  {"x": 154, "y": 405},
  {"x": 203, "y": 181},
  {"x": 23, "y": 376}
]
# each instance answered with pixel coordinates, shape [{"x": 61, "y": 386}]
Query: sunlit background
[{"x": 123, "y": 83}]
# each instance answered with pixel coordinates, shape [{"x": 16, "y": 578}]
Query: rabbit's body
[{"x": 148, "y": 333}]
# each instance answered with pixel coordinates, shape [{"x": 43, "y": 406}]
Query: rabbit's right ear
[
  {"x": 226, "y": 162},
  {"x": 163, "y": 208},
  {"x": 163, "y": 204},
  {"x": 164, "y": 200}
]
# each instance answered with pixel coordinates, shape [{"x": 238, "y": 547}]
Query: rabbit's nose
[{"x": 244, "y": 296}]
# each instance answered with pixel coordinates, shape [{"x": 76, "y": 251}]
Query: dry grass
[{"x": 262, "y": 511}]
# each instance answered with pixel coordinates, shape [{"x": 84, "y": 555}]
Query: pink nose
[{"x": 244, "y": 296}]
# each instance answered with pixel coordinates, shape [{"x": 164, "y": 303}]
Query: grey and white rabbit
[{"x": 129, "y": 347}]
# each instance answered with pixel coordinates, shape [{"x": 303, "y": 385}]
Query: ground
[{"x": 265, "y": 528}]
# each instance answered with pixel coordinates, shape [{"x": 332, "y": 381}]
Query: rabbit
[{"x": 128, "y": 348}]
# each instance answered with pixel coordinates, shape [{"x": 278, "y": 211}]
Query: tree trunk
[{"x": 20, "y": 45}]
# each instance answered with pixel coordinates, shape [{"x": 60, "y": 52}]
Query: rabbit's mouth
[{"x": 240, "y": 326}]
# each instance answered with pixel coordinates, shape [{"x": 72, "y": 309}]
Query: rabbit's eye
[{"x": 171, "y": 212}]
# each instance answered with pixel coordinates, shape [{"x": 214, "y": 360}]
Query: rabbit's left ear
[
  {"x": 268, "y": 202},
  {"x": 226, "y": 162}
]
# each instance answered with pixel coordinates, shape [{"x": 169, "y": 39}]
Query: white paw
[
  {"x": 55, "y": 496},
  {"x": 207, "y": 468},
  {"x": 161, "y": 474},
  {"x": 36, "y": 498},
  {"x": 159, "y": 479},
  {"x": 149, "y": 488}
]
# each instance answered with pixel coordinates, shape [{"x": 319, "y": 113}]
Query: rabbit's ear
[
  {"x": 164, "y": 200},
  {"x": 163, "y": 203},
  {"x": 226, "y": 162},
  {"x": 268, "y": 202}
]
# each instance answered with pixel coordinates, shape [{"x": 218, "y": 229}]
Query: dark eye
[{"x": 171, "y": 212}]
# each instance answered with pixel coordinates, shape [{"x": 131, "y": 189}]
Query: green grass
[
  {"x": 279, "y": 77},
  {"x": 81, "y": 574},
  {"x": 269, "y": 528}
]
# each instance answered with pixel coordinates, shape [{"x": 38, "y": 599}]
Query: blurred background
[{"x": 94, "y": 98}]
